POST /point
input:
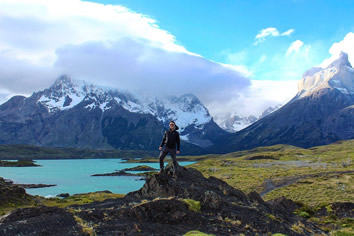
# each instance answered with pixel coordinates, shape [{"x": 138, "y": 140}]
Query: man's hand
[
  {"x": 160, "y": 148},
  {"x": 178, "y": 152}
]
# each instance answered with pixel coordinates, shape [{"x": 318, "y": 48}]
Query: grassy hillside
[{"x": 314, "y": 177}]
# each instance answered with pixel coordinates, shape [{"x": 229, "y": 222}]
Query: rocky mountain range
[
  {"x": 322, "y": 112},
  {"x": 238, "y": 122},
  {"x": 78, "y": 114}
]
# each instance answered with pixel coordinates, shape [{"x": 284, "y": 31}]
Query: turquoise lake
[{"x": 74, "y": 176}]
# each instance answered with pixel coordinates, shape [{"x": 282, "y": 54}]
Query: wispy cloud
[
  {"x": 294, "y": 47},
  {"x": 270, "y": 32},
  {"x": 346, "y": 45}
]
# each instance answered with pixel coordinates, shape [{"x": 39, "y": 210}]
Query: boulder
[{"x": 40, "y": 221}]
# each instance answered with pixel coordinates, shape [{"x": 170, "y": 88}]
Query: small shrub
[
  {"x": 197, "y": 233},
  {"x": 213, "y": 169},
  {"x": 346, "y": 163},
  {"x": 304, "y": 214},
  {"x": 193, "y": 205}
]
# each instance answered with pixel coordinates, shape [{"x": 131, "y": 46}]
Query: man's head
[{"x": 172, "y": 125}]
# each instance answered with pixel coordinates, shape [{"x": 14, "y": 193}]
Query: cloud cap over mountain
[{"x": 104, "y": 44}]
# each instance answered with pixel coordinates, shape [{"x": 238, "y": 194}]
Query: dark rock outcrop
[
  {"x": 39, "y": 221},
  {"x": 140, "y": 168},
  {"x": 36, "y": 185},
  {"x": 12, "y": 194},
  {"x": 338, "y": 209},
  {"x": 116, "y": 173},
  {"x": 63, "y": 195}
]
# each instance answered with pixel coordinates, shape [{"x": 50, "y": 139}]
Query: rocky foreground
[{"x": 166, "y": 206}]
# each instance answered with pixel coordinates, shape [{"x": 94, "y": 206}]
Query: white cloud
[
  {"x": 294, "y": 47},
  {"x": 346, "y": 45},
  {"x": 256, "y": 98},
  {"x": 270, "y": 32},
  {"x": 133, "y": 65},
  {"x": 32, "y": 29},
  {"x": 288, "y": 32},
  {"x": 104, "y": 44}
]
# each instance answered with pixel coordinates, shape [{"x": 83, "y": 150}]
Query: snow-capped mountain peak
[
  {"x": 66, "y": 93},
  {"x": 338, "y": 75},
  {"x": 237, "y": 122}
]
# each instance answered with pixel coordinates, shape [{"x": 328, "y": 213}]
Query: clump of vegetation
[
  {"x": 197, "y": 233},
  {"x": 193, "y": 205}
]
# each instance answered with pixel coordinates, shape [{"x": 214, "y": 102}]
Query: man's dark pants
[{"x": 164, "y": 153}]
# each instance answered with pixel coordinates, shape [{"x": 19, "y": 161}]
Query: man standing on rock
[{"x": 171, "y": 139}]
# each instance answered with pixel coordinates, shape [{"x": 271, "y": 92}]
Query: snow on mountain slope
[
  {"x": 338, "y": 75},
  {"x": 185, "y": 110},
  {"x": 66, "y": 93},
  {"x": 238, "y": 122}
]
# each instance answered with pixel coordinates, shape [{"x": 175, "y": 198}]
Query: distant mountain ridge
[
  {"x": 238, "y": 122},
  {"x": 321, "y": 113},
  {"x": 78, "y": 114}
]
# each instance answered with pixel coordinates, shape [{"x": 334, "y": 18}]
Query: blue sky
[
  {"x": 237, "y": 57},
  {"x": 224, "y": 31}
]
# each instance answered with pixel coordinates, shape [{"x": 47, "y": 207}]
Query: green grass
[
  {"x": 310, "y": 169},
  {"x": 79, "y": 199},
  {"x": 286, "y": 162}
]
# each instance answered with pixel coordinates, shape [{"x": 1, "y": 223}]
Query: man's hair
[{"x": 172, "y": 122}]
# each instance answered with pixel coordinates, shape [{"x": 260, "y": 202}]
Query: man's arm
[
  {"x": 178, "y": 142},
  {"x": 163, "y": 140}
]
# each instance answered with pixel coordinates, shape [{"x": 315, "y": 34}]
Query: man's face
[{"x": 172, "y": 126}]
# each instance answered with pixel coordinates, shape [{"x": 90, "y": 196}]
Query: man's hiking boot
[{"x": 174, "y": 175}]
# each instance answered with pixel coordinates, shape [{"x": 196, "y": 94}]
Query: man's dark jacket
[{"x": 171, "y": 139}]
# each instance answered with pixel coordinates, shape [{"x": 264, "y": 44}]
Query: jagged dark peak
[
  {"x": 63, "y": 80},
  {"x": 13, "y": 102},
  {"x": 187, "y": 98},
  {"x": 341, "y": 61}
]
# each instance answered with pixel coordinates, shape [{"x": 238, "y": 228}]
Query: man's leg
[
  {"x": 174, "y": 160},
  {"x": 163, "y": 154}
]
